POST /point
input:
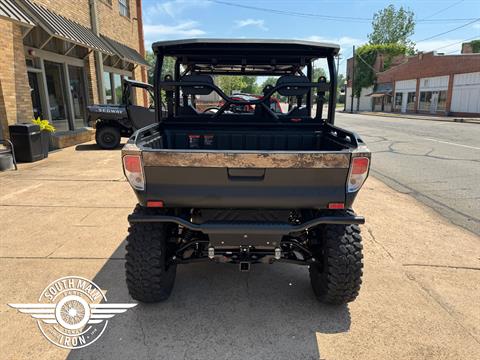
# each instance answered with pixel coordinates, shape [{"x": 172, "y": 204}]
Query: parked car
[
  {"x": 246, "y": 108},
  {"x": 245, "y": 187},
  {"x": 112, "y": 122}
]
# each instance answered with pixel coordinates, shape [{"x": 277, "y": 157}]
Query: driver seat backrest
[
  {"x": 198, "y": 89},
  {"x": 294, "y": 90}
]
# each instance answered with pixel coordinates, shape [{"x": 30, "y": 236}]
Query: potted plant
[{"x": 46, "y": 130}]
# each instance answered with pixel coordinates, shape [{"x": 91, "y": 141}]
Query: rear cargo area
[
  {"x": 275, "y": 167},
  {"x": 246, "y": 138}
]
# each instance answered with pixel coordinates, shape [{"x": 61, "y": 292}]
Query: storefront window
[
  {"x": 425, "y": 99},
  {"x": 77, "y": 88},
  {"x": 398, "y": 101},
  {"x": 57, "y": 95},
  {"x": 117, "y": 84},
  {"x": 107, "y": 83},
  {"x": 113, "y": 88},
  {"x": 442, "y": 101},
  {"x": 411, "y": 101}
]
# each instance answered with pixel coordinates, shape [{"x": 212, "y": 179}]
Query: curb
[{"x": 457, "y": 120}]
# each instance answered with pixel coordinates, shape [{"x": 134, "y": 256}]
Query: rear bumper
[{"x": 247, "y": 227}]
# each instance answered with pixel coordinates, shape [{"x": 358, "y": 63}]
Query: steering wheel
[{"x": 211, "y": 110}]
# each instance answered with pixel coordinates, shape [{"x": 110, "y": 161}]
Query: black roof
[
  {"x": 258, "y": 56},
  {"x": 172, "y": 45}
]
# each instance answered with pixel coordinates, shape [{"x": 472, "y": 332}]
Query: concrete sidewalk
[
  {"x": 66, "y": 215},
  {"x": 421, "y": 117}
]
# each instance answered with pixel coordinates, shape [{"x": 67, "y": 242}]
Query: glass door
[
  {"x": 57, "y": 95},
  {"x": 78, "y": 91},
  {"x": 35, "y": 94}
]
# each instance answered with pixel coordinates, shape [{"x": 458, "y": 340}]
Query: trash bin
[
  {"x": 27, "y": 142},
  {"x": 7, "y": 156}
]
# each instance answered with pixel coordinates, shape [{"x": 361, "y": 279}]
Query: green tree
[
  {"x": 392, "y": 26},
  {"x": 229, "y": 83},
  {"x": 271, "y": 80},
  {"x": 167, "y": 68},
  {"x": 251, "y": 85},
  {"x": 317, "y": 72},
  {"x": 365, "y": 57}
]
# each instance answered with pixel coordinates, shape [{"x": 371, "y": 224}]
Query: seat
[
  {"x": 199, "y": 88},
  {"x": 140, "y": 116},
  {"x": 294, "y": 90}
]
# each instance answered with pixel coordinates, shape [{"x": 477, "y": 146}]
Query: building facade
[
  {"x": 436, "y": 84},
  {"x": 58, "y": 56},
  {"x": 426, "y": 83}
]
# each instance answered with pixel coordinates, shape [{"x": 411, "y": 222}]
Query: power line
[
  {"x": 449, "y": 31},
  {"x": 455, "y": 43},
  {"x": 442, "y": 10},
  {"x": 319, "y": 16}
]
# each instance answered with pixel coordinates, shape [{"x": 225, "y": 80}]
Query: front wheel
[
  {"x": 108, "y": 137},
  {"x": 336, "y": 275},
  {"x": 150, "y": 274}
]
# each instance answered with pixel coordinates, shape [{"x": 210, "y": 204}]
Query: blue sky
[{"x": 302, "y": 19}]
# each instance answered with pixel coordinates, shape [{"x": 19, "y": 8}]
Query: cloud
[
  {"x": 345, "y": 42},
  {"x": 476, "y": 25},
  {"x": 442, "y": 46},
  {"x": 259, "y": 23},
  {"x": 173, "y": 8},
  {"x": 161, "y": 32}
]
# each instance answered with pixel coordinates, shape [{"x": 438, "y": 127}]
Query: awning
[
  {"x": 125, "y": 53},
  {"x": 11, "y": 11},
  {"x": 58, "y": 26},
  {"x": 382, "y": 90}
]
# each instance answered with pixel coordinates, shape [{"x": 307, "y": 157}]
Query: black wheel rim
[{"x": 108, "y": 138}]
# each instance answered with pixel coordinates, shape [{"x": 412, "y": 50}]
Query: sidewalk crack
[{"x": 370, "y": 231}]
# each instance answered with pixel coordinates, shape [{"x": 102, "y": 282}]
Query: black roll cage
[{"x": 174, "y": 85}]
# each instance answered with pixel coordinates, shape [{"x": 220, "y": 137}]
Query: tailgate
[{"x": 245, "y": 179}]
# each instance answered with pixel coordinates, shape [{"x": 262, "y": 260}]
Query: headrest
[
  {"x": 292, "y": 90},
  {"x": 199, "y": 88}
]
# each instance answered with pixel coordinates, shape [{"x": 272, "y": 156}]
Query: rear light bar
[
  {"x": 358, "y": 173},
  {"x": 155, "y": 203},
  {"x": 133, "y": 168},
  {"x": 336, "y": 206}
]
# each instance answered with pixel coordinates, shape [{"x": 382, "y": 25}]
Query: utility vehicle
[
  {"x": 112, "y": 122},
  {"x": 245, "y": 187}
]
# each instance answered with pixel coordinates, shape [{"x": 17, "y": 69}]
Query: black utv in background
[
  {"x": 251, "y": 187},
  {"x": 112, "y": 122}
]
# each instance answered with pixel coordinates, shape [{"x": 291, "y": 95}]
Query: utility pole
[{"x": 353, "y": 78}]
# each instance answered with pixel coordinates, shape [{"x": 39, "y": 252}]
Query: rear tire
[
  {"x": 150, "y": 276},
  {"x": 108, "y": 137},
  {"x": 336, "y": 275}
]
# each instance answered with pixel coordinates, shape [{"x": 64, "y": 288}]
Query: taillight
[
  {"x": 358, "y": 173},
  {"x": 132, "y": 165}
]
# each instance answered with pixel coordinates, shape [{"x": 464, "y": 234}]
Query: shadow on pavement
[
  {"x": 93, "y": 147},
  {"x": 217, "y": 312}
]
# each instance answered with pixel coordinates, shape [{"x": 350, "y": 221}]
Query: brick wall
[
  {"x": 116, "y": 26},
  {"x": 15, "y": 100},
  {"x": 76, "y": 10},
  {"x": 429, "y": 65}
]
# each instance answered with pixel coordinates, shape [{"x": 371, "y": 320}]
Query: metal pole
[{"x": 353, "y": 78}]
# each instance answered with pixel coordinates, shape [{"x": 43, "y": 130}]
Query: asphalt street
[{"x": 437, "y": 162}]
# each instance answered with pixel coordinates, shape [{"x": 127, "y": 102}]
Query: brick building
[
  {"x": 435, "y": 84},
  {"x": 428, "y": 83},
  {"x": 58, "y": 56}
]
